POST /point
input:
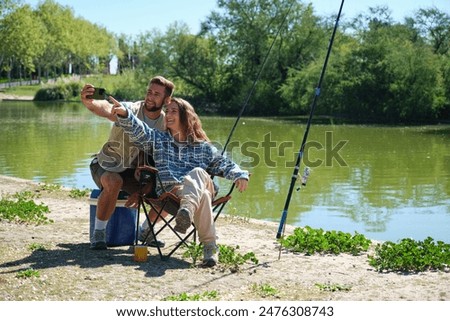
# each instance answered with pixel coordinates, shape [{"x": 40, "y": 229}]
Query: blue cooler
[{"x": 121, "y": 228}]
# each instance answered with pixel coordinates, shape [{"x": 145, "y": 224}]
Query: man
[
  {"x": 186, "y": 159},
  {"x": 113, "y": 168}
]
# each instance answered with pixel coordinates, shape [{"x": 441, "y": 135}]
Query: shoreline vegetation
[
  {"x": 380, "y": 70},
  {"x": 53, "y": 262}
]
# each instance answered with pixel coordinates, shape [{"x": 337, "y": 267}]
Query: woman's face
[{"x": 173, "y": 119}]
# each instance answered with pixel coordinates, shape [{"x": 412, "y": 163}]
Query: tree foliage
[
  {"x": 50, "y": 38},
  {"x": 19, "y": 45},
  {"x": 379, "y": 69}
]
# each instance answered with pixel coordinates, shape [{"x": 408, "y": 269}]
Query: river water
[{"x": 387, "y": 183}]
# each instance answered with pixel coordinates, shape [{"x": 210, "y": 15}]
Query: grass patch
[
  {"x": 28, "y": 90},
  {"x": 193, "y": 251},
  {"x": 68, "y": 88},
  {"x": 124, "y": 87},
  {"x": 49, "y": 187},
  {"x": 37, "y": 247},
  {"x": 205, "y": 296},
  {"x": 406, "y": 256},
  {"x": 333, "y": 287},
  {"x": 79, "y": 193},
  {"x": 310, "y": 241},
  {"x": 227, "y": 255},
  {"x": 265, "y": 290},
  {"x": 22, "y": 209},
  {"x": 29, "y": 273},
  {"x": 411, "y": 256}
]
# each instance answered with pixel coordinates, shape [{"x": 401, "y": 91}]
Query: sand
[{"x": 69, "y": 270}]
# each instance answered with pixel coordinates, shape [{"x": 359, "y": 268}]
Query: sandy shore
[{"x": 69, "y": 270}]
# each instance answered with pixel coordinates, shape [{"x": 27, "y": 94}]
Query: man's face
[{"x": 154, "y": 99}]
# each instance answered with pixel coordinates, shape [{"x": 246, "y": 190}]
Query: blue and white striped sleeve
[
  {"x": 140, "y": 133},
  {"x": 224, "y": 167}
]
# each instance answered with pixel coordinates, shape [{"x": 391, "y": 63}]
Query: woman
[{"x": 185, "y": 160}]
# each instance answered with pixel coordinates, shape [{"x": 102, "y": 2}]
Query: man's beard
[{"x": 153, "y": 109}]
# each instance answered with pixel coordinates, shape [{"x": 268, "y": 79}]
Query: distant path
[
  {"x": 6, "y": 97},
  {"x": 19, "y": 83}
]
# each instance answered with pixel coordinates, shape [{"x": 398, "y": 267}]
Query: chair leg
[
  {"x": 167, "y": 223},
  {"x": 193, "y": 232},
  {"x": 137, "y": 224},
  {"x": 151, "y": 225}
]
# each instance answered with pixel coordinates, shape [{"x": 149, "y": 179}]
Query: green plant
[
  {"x": 24, "y": 195},
  {"x": 29, "y": 273},
  {"x": 411, "y": 256},
  {"x": 205, "y": 296},
  {"x": 194, "y": 251},
  {"x": 229, "y": 256},
  {"x": 265, "y": 290},
  {"x": 333, "y": 287},
  {"x": 23, "y": 210},
  {"x": 129, "y": 86},
  {"x": 309, "y": 241},
  {"x": 37, "y": 247},
  {"x": 62, "y": 89},
  {"x": 50, "y": 187},
  {"x": 28, "y": 90},
  {"x": 79, "y": 193}
]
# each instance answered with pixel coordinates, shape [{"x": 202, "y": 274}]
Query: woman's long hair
[{"x": 191, "y": 122}]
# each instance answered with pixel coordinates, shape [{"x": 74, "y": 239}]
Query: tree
[
  {"x": 73, "y": 41},
  {"x": 434, "y": 25},
  {"x": 23, "y": 39},
  {"x": 299, "y": 89},
  {"x": 390, "y": 76},
  {"x": 6, "y": 6},
  {"x": 125, "y": 55},
  {"x": 243, "y": 33}
]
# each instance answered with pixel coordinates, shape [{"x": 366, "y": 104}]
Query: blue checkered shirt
[{"x": 173, "y": 159}]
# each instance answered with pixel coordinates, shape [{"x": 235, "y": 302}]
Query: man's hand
[
  {"x": 88, "y": 90},
  {"x": 101, "y": 108},
  {"x": 133, "y": 200}
]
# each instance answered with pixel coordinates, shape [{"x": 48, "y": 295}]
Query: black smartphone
[{"x": 99, "y": 93}]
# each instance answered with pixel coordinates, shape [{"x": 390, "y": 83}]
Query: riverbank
[
  {"x": 8, "y": 97},
  {"x": 69, "y": 270}
]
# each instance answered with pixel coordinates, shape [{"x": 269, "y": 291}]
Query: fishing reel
[{"x": 304, "y": 177}]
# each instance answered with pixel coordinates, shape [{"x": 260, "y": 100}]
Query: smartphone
[{"x": 99, "y": 94}]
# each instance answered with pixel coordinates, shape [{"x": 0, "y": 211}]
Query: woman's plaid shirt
[{"x": 173, "y": 159}]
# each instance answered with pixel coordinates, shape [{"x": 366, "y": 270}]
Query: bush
[
  {"x": 411, "y": 256},
  {"x": 23, "y": 210},
  {"x": 310, "y": 241},
  {"x": 61, "y": 90},
  {"x": 49, "y": 93},
  {"x": 128, "y": 88}
]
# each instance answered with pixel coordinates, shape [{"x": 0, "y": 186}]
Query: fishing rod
[
  {"x": 282, "y": 225},
  {"x": 250, "y": 93}
]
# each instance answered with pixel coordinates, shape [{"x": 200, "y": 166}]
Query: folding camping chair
[{"x": 168, "y": 202}]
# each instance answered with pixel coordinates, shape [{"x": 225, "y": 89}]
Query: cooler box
[{"x": 121, "y": 228}]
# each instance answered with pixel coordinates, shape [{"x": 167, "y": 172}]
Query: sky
[{"x": 133, "y": 17}]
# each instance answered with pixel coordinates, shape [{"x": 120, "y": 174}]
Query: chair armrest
[
  {"x": 148, "y": 168},
  {"x": 146, "y": 174}
]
